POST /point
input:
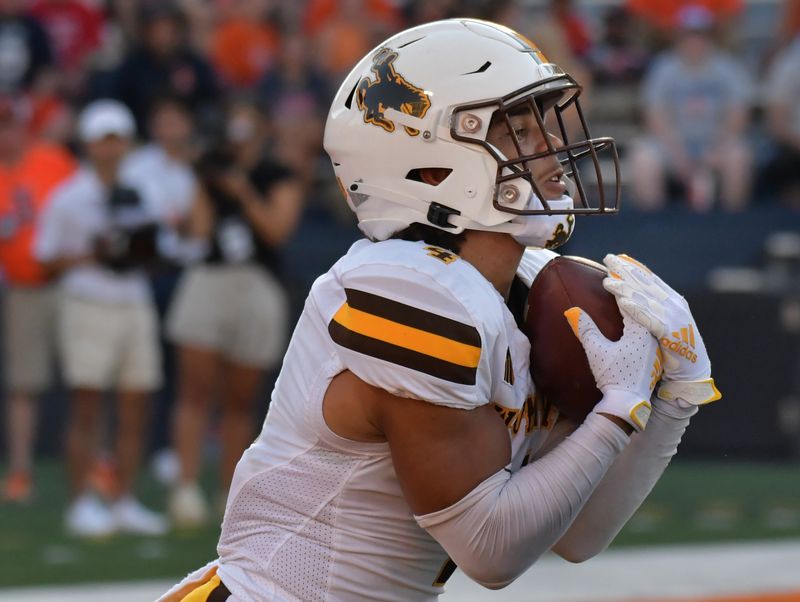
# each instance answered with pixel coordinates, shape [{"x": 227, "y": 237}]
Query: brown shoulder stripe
[{"x": 407, "y": 336}]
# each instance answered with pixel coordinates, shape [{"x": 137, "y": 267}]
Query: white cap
[{"x": 103, "y": 118}]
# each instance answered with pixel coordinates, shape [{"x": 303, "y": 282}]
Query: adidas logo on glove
[{"x": 682, "y": 344}]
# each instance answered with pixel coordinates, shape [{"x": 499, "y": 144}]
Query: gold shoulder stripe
[
  {"x": 444, "y": 348},
  {"x": 405, "y": 336},
  {"x": 413, "y": 316}
]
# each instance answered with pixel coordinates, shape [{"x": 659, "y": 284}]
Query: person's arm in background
[
  {"x": 187, "y": 241},
  {"x": 55, "y": 267},
  {"x": 49, "y": 248},
  {"x": 274, "y": 214}
]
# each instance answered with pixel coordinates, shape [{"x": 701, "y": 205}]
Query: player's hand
[
  {"x": 625, "y": 371},
  {"x": 666, "y": 314}
]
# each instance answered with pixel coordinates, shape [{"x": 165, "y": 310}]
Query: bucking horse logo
[{"x": 388, "y": 90}]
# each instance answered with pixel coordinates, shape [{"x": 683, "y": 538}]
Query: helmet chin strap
[{"x": 544, "y": 231}]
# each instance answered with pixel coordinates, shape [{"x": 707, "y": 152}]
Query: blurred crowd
[{"x": 181, "y": 140}]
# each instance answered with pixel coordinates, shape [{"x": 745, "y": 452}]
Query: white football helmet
[{"x": 425, "y": 98}]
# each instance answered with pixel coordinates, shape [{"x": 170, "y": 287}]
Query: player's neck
[{"x": 495, "y": 255}]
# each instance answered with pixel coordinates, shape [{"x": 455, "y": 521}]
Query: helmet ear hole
[{"x": 433, "y": 176}]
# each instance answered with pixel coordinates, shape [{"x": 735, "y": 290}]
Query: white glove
[
  {"x": 625, "y": 371},
  {"x": 666, "y": 314}
]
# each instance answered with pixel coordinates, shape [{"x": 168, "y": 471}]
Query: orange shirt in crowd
[
  {"x": 24, "y": 190},
  {"x": 242, "y": 50},
  {"x": 341, "y": 45},
  {"x": 320, "y": 12}
]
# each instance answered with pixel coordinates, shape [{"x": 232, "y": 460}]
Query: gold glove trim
[
  {"x": 699, "y": 392},
  {"x": 640, "y": 414}
]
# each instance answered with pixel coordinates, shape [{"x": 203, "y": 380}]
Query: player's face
[{"x": 530, "y": 139}]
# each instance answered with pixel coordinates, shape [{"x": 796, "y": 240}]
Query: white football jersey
[{"x": 312, "y": 516}]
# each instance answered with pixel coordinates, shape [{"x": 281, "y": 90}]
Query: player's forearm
[
  {"x": 626, "y": 484},
  {"x": 505, "y": 524}
]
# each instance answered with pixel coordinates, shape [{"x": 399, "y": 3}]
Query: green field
[{"x": 693, "y": 502}]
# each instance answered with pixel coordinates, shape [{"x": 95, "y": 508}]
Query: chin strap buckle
[{"x": 439, "y": 215}]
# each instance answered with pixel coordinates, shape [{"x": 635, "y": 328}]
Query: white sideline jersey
[{"x": 312, "y": 516}]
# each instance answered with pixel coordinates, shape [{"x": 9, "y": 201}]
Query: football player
[{"x": 405, "y": 437}]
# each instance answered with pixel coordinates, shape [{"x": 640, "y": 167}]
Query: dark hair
[
  {"x": 169, "y": 100},
  {"x": 433, "y": 236}
]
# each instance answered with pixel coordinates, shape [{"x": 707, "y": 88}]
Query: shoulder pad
[{"x": 417, "y": 325}]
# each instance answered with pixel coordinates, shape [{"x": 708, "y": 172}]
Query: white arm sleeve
[
  {"x": 626, "y": 484},
  {"x": 501, "y": 527}
]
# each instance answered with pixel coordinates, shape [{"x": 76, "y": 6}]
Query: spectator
[
  {"x": 789, "y": 24},
  {"x": 782, "y": 173},
  {"x": 24, "y": 48},
  {"x": 28, "y": 172},
  {"x": 574, "y": 27},
  {"x": 662, "y": 17},
  {"x": 97, "y": 235},
  {"x": 667, "y": 13},
  {"x": 294, "y": 83},
  {"x": 163, "y": 64},
  {"x": 52, "y": 117},
  {"x": 696, "y": 102},
  {"x": 348, "y": 29},
  {"x": 320, "y": 12},
  {"x": 164, "y": 165},
  {"x": 617, "y": 59},
  {"x": 244, "y": 45},
  {"x": 74, "y": 29},
  {"x": 294, "y": 93},
  {"x": 547, "y": 29},
  {"x": 247, "y": 208},
  {"x": 418, "y": 12},
  {"x": 164, "y": 168}
]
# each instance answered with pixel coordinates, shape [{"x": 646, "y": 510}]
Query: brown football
[{"x": 559, "y": 366}]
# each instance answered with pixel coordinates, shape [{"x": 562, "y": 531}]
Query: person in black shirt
[
  {"x": 163, "y": 64},
  {"x": 229, "y": 318}
]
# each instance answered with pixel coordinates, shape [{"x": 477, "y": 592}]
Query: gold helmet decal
[
  {"x": 389, "y": 90},
  {"x": 561, "y": 234}
]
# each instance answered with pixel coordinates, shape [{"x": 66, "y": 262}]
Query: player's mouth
[{"x": 552, "y": 185}]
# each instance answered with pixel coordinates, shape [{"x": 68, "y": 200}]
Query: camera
[{"x": 131, "y": 241}]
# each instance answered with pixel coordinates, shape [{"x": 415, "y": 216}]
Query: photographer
[
  {"x": 98, "y": 236},
  {"x": 229, "y": 318}
]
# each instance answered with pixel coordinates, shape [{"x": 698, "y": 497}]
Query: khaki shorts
[
  {"x": 109, "y": 346},
  {"x": 29, "y": 320},
  {"x": 240, "y": 311}
]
